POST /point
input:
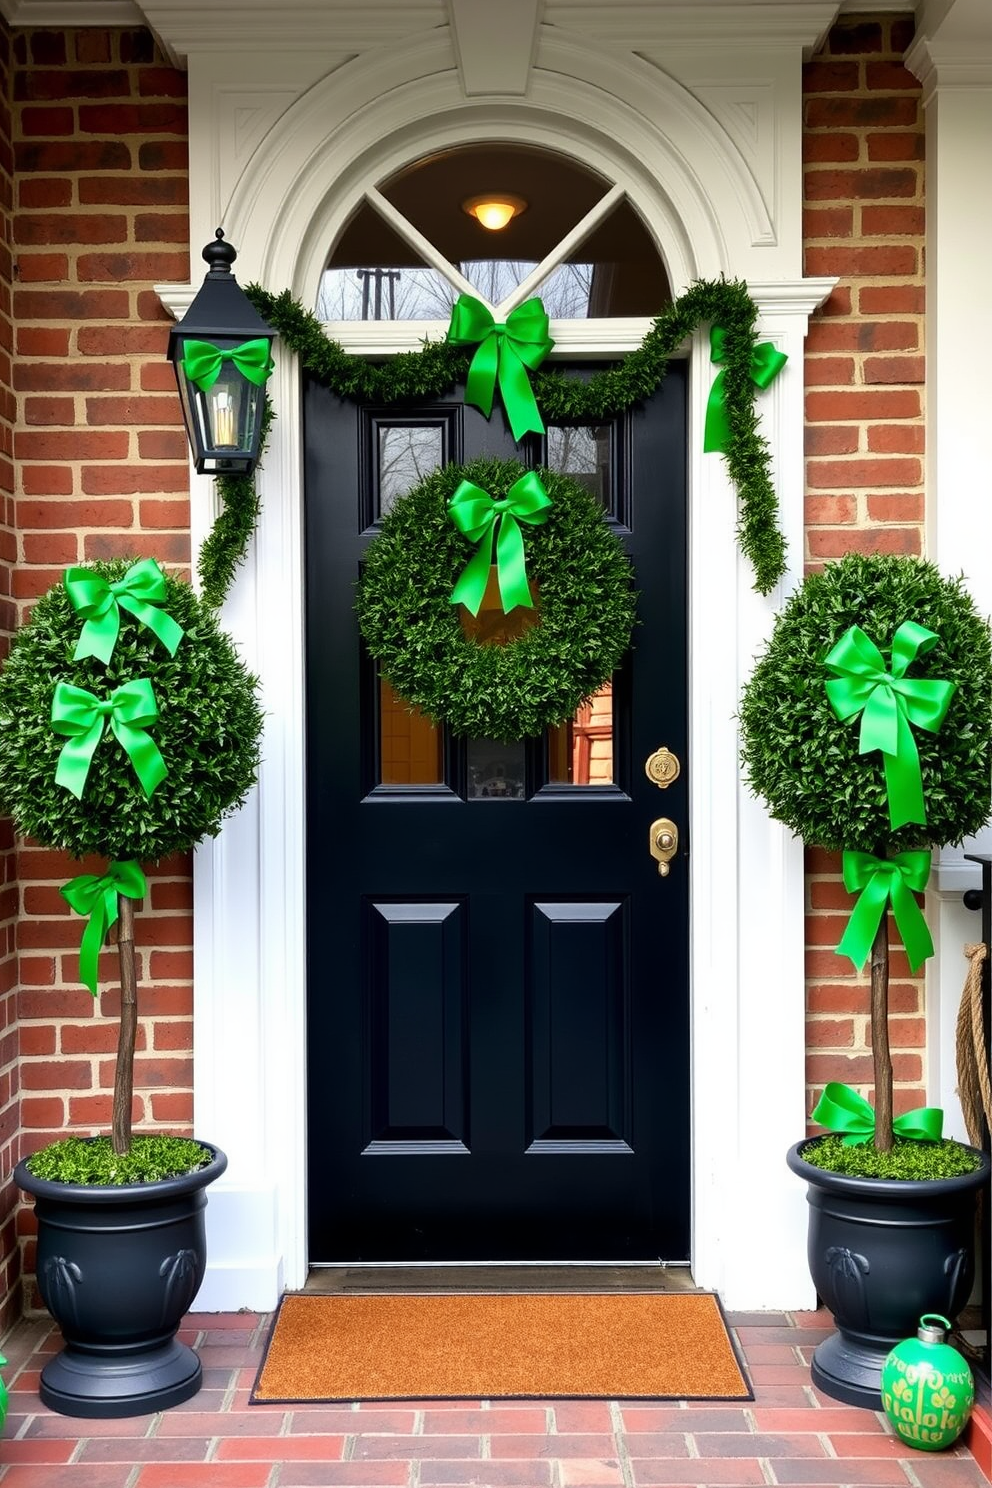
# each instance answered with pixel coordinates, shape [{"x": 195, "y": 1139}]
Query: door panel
[{"x": 498, "y": 987}]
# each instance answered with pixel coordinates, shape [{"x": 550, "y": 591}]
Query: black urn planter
[
  {"x": 117, "y": 1268},
  {"x": 882, "y": 1252}
]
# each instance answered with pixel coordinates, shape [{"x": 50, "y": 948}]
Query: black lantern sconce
[{"x": 222, "y": 354}]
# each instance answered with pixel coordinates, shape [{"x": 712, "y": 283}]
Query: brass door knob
[{"x": 663, "y": 840}]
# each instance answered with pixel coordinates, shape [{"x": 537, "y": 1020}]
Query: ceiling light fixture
[{"x": 494, "y": 209}]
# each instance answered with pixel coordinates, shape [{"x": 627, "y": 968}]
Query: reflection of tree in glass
[
  {"x": 407, "y": 453},
  {"x": 423, "y": 294}
]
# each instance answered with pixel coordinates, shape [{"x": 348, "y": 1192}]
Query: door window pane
[
  {"x": 580, "y": 752},
  {"x": 406, "y": 454},
  {"x": 409, "y": 743},
  {"x": 584, "y": 452},
  {"x": 495, "y": 770}
]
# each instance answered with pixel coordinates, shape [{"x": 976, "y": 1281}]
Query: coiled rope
[{"x": 974, "y": 1084}]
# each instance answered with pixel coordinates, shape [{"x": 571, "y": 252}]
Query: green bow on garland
[
  {"x": 96, "y": 896},
  {"x": 202, "y": 361},
  {"x": 505, "y": 355},
  {"x": 881, "y": 882},
  {"x": 843, "y": 1110},
  {"x": 766, "y": 363},
  {"x": 889, "y": 702},
  {"x": 475, "y": 514},
  {"x": 82, "y": 717},
  {"x": 140, "y": 591}
]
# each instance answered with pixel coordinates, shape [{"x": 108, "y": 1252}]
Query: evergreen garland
[{"x": 438, "y": 367}]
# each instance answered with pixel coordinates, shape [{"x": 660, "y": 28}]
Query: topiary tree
[
  {"x": 832, "y": 731},
  {"x": 129, "y": 728}
]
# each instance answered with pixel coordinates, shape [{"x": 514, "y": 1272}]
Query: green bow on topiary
[
  {"x": 889, "y": 702},
  {"x": 843, "y": 1110},
  {"x": 142, "y": 591},
  {"x": 96, "y": 896},
  {"x": 82, "y": 717}
]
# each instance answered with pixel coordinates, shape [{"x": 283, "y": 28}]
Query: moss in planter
[
  {"x": 917, "y": 1161},
  {"x": 92, "y": 1160}
]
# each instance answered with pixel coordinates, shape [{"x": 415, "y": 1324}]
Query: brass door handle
[{"x": 663, "y": 839}]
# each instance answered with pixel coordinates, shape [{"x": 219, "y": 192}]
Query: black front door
[{"x": 498, "y": 979}]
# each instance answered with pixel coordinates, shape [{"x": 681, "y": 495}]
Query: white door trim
[{"x": 696, "y": 193}]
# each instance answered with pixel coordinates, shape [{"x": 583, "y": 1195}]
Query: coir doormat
[{"x": 653, "y": 1345}]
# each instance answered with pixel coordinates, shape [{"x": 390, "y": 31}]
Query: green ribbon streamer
[
  {"x": 843, "y": 1110},
  {"x": 140, "y": 591},
  {"x": 506, "y": 353},
  {"x": 766, "y": 363},
  {"x": 888, "y": 703},
  {"x": 96, "y": 896},
  {"x": 880, "y": 882},
  {"x": 82, "y": 718},
  {"x": 202, "y": 361},
  {"x": 475, "y": 514}
]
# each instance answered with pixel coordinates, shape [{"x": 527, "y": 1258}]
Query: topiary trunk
[
  {"x": 881, "y": 1058},
  {"x": 124, "y": 1068}
]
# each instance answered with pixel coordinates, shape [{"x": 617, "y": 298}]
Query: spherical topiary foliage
[
  {"x": 586, "y": 608},
  {"x": 804, "y": 761},
  {"x": 208, "y": 731}
]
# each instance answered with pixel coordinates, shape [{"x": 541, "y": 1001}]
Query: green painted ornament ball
[{"x": 927, "y": 1387}]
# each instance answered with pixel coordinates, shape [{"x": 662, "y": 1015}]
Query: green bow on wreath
[
  {"x": 506, "y": 353},
  {"x": 96, "y": 896},
  {"x": 766, "y": 363},
  {"x": 141, "y": 591},
  {"x": 475, "y": 513},
  {"x": 843, "y": 1110},
  {"x": 82, "y": 717},
  {"x": 202, "y": 361},
  {"x": 888, "y": 703}
]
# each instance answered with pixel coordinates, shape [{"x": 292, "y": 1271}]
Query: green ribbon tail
[
  {"x": 480, "y": 384},
  {"x": 143, "y": 752},
  {"x": 903, "y": 779},
  {"x": 924, "y": 1124},
  {"x": 911, "y": 924},
  {"x": 98, "y": 636},
  {"x": 510, "y": 566},
  {"x": 518, "y": 395},
  {"x": 75, "y": 759},
  {"x": 159, "y": 622},
  {"x": 97, "y": 927},
  {"x": 716, "y": 430},
  {"x": 470, "y": 588},
  {"x": 865, "y": 918}
]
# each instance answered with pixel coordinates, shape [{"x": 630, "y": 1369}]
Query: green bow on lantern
[
  {"x": 140, "y": 591},
  {"x": 96, "y": 896},
  {"x": 82, "y": 718},
  {"x": 766, "y": 363},
  {"x": 506, "y": 353},
  {"x": 202, "y": 361},
  {"x": 889, "y": 702},
  {"x": 843, "y": 1110},
  {"x": 475, "y": 514},
  {"x": 880, "y": 882}
]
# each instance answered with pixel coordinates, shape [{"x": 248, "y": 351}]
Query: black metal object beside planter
[
  {"x": 118, "y": 1267},
  {"x": 883, "y": 1251}
]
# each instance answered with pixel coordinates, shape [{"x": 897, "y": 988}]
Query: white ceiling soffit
[{"x": 337, "y": 25}]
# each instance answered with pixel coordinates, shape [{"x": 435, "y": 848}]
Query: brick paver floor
[{"x": 789, "y": 1434}]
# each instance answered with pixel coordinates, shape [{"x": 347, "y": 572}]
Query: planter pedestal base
[
  {"x": 81, "y": 1382},
  {"x": 849, "y": 1370}
]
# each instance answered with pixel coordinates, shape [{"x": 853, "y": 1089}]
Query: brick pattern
[
  {"x": 9, "y": 1074},
  {"x": 99, "y": 126},
  {"x": 789, "y": 1433},
  {"x": 863, "y": 144}
]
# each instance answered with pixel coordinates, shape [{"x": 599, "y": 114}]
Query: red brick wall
[
  {"x": 9, "y": 1074},
  {"x": 100, "y": 215},
  {"x": 864, "y": 222}
]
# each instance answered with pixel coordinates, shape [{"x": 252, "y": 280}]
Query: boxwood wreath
[
  {"x": 439, "y": 366},
  {"x": 587, "y": 608}
]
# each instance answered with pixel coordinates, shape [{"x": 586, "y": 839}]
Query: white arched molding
[{"x": 695, "y": 193}]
